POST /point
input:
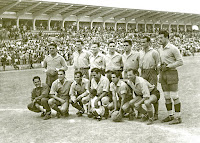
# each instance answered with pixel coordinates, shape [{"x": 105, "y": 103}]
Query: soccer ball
[{"x": 116, "y": 116}]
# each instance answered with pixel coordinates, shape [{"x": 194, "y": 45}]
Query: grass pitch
[{"x": 18, "y": 125}]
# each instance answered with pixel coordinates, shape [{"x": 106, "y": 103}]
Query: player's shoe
[
  {"x": 177, "y": 120},
  {"x": 106, "y": 114},
  {"x": 47, "y": 116},
  {"x": 150, "y": 121},
  {"x": 99, "y": 118},
  {"x": 80, "y": 113},
  {"x": 58, "y": 115},
  {"x": 131, "y": 116},
  {"x": 43, "y": 114},
  {"x": 90, "y": 115},
  {"x": 168, "y": 119},
  {"x": 155, "y": 117},
  {"x": 144, "y": 118},
  {"x": 139, "y": 116},
  {"x": 66, "y": 114}
]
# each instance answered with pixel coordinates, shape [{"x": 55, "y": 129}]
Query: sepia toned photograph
[{"x": 99, "y": 71}]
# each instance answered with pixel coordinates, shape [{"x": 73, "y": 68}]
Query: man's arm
[
  {"x": 63, "y": 63},
  {"x": 178, "y": 57},
  {"x": 114, "y": 98}
]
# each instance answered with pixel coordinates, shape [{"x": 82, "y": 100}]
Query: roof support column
[
  {"x": 17, "y": 22},
  {"x": 91, "y": 25},
  {"x": 169, "y": 27},
  {"x": 161, "y": 26},
  {"x": 136, "y": 26},
  {"x": 145, "y": 27},
  {"x": 63, "y": 24},
  {"x": 177, "y": 28},
  {"x": 77, "y": 26},
  {"x": 115, "y": 26},
  {"x": 185, "y": 27},
  {"x": 104, "y": 25},
  {"x": 49, "y": 25},
  {"x": 34, "y": 24},
  {"x": 153, "y": 27},
  {"x": 127, "y": 27}
]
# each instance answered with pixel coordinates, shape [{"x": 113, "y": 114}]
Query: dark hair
[
  {"x": 97, "y": 43},
  {"x": 128, "y": 41},
  {"x": 165, "y": 33},
  {"x": 53, "y": 44},
  {"x": 96, "y": 70},
  {"x": 117, "y": 73},
  {"x": 93, "y": 92},
  {"x": 78, "y": 72},
  {"x": 134, "y": 71},
  {"x": 80, "y": 41},
  {"x": 36, "y": 77},
  {"x": 61, "y": 70},
  {"x": 147, "y": 37},
  {"x": 111, "y": 42}
]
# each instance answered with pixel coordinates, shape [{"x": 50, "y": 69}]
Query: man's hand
[
  {"x": 62, "y": 101},
  {"x": 79, "y": 97}
]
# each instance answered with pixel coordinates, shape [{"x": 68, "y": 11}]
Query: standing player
[
  {"x": 79, "y": 91},
  {"x": 145, "y": 93},
  {"x": 52, "y": 63},
  {"x": 39, "y": 98},
  {"x": 130, "y": 58},
  {"x": 113, "y": 60},
  {"x": 170, "y": 60},
  {"x": 81, "y": 59},
  {"x": 149, "y": 66},
  {"x": 59, "y": 94}
]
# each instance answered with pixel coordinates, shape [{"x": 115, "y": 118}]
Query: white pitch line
[{"x": 19, "y": 110}]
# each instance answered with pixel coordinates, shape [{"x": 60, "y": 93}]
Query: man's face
[
  {"x": 52, "y": 50},
  {"x": 161, "y": 39},
  {"x": 37, "y": 82},
  {"x": 61, "y": 75},
  {"x": 112, "y": 47},
  {"x": 77, "y": 78},
  {"x": 127, "y": 47},
  {"x": 95, "y": 48},
  {"x": 78, "y": 46},
  {"x": 144, "y": 43},
  {"x": 114, "y": 78},
  {"x": 96, "y": 76},
  {"x": 130, "y": 76}
]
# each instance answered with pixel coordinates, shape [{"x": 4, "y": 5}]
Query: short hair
[
  {"x": 97, "y": 43},
  {"x": 111, "y": 42},
  {"x": 80, "y": 41},
  {"x": 134, "y": 71},
  {"x": 61, "y": 70},
  {"x": 165, "y": 33},
  {"x": 147, "y": 37},
  {"x": 93, "y": 92},
  {"x": 36, "y": 77},
  {"x": 128, "y": 41},
  {"x": 78, "y": 72},
  {"x": 96, "y": 70},
  {"x": 117, "y": 73},
  {"x": 53, "y": 44}
]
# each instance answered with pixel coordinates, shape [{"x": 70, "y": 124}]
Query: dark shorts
[
  {"x": 156, "y": 93},
  {"x": 150, "y": 75},
  {"x": 33, "y": 108},
  {"x": 169, "y": 80}
]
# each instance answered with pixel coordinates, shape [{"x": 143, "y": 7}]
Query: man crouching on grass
[
  {"x": 146, "y": 93},
  {"x": 59, "y": 94},
  {"x": 39, "y": 98}
]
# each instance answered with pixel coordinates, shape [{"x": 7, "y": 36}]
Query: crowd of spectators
[{"x": 21, "y": 46}]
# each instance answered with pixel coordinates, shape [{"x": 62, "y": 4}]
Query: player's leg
[
  {"x": 44, "y": 102},
  {"x": 65, "y": 107},
  {"x": 105, "y": 101},
  {"x": 54, "y": 105},
  {"x": 33, "y": 107}
]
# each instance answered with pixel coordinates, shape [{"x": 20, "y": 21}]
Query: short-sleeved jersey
[
  {"x": 102, "y": 86},
  {"x": 131, "y": 61},
  {"x": 97, "y": 61},
  {"x": 77, "y": 89},
  {"x": 81, "y": 60},
  {"x": 113, "y": 62},
  {"x": 40, "y": 91}
]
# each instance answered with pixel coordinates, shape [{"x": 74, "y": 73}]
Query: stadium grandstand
[{"x": 26, "y": 25}]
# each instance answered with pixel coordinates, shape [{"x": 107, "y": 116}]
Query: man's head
[
  {"x": 79, "y": 45},
  {"x": 163, "y": 38},
  {"x": 111, "y": 47},
  {"x": 37, "y": 81},
  {"x": 115, "y": 76},
  {"x": 145, "y": 42},
  {"x": 96, "y": 74},
  {"x": 78, "y": 76},
  {"x": 95, "y": 47},
  {"x": 61, "y": 74},
  {"x": 131, "y": 74},
  {"x": 127, "y": 45},
  {"x": 52, "y": 48}
]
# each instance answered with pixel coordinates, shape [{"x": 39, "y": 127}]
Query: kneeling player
[
  {"x": 145, "y": 93},
  {"x": 95, "y": 111},
  {"x": 60, "y": 94},
  {"x": 79, "y": 91},
  {"x": 40, "y": 98},
  {"x": 121, "y": 94}
]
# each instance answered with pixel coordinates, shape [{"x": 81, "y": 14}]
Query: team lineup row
[{"x": 110, "y": 85}]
